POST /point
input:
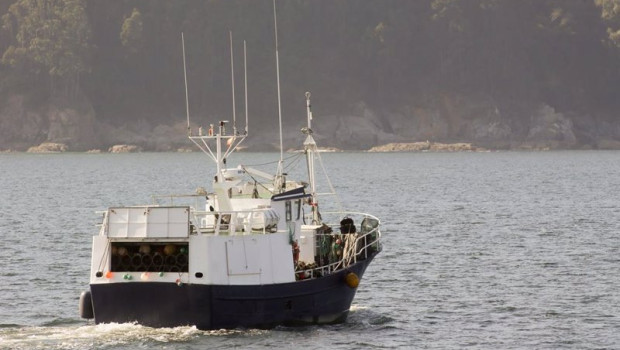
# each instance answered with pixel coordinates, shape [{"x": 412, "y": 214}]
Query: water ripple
[{"x": 488, "y": 251}]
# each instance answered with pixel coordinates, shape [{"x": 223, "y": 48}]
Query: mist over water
[{"x": 481, "y": 250}]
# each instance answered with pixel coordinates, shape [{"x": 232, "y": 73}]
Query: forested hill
[{"x": 498, "y": 73}]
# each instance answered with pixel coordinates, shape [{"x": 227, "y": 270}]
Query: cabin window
[
  {"x": 289, "y": 213},
  {"x": 149, "y": 257},
  {"x": 298, "y": 203}
]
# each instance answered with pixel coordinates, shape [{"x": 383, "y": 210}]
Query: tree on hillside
[
  {"x": 49, "y": 39},
  {"x": 131, "y": 31},
  {"x": 610, "y": 12}
]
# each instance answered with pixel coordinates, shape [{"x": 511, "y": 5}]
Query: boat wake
[
  {"x": 70, "y": 334},
  {"x": 101, "y": 336},
  {"x": 363, "y": 317}
]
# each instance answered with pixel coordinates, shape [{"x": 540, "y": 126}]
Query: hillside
[{"x": 506, "y": 74}]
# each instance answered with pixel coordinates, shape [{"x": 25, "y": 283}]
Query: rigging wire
[
  {"x": 294, "y": 162},
  {"x": 104, "y": 256},
  {"x": 329, "y": 182},
  {"x": 273, "y": 162},
  {"x": 256, "y": 182}
]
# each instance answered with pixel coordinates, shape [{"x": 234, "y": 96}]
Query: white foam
[
  {"x": 90, "y": 336},
  {"x": 356, "y": 307}
]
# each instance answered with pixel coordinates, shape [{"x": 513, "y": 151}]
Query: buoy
[
  {"x": 86, "y": 305},
  {"x": 170, "y": 249},
  {"x": 122, "y": 251},
  {"x": 144, "y": 249},
  {"x": 352, "y": 280}
]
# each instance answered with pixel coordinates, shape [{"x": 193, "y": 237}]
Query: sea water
[{"x": 499, "y": 250}]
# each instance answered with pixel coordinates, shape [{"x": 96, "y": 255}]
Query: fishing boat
[{"x": 256, "y": 251}]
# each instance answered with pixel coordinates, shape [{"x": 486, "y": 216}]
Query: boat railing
[
  {"x": 103, "y": 226},
  {"x": 234, "y": 222},
  {"x": 238, "y": 222},
  {"x": 193, "y": 200},
  {"x": 355, "y": 246}
]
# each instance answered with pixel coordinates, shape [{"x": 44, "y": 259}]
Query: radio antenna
[
  {"x": 189, "y": 131},
  {"x": 245, "y": 73},
  {"x": 275, "y": 21},
  {"x": 232, "y": 79}
]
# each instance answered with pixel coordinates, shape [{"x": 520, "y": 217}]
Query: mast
[
  {"x": 279, "y": 176},
  {"x": 216, "y": 143},
  {"x": 310, "y": 150}
]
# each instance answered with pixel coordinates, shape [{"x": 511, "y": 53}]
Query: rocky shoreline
[
  {"x": 451, "y": 124},
  {"x": 427, "y": 147},
  {"x": 56, "y": 147},
  {"x": 48, "y": 147},
  {"x": 393, "y": 147}
]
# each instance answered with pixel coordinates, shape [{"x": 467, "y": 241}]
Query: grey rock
[
  {"x": 550, "y": 129},
  {"x": 125, "y": 149},
  {"x": 48, "y": 147}
]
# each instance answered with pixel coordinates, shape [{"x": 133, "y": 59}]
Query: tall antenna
[
  {"x": 189, "y": 132},
  {"x": 275, "y": 21},
  {"x": 245, "y": 73},
  {"x": 232, "y": 78}
]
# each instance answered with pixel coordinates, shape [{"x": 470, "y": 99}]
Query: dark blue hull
[{"x": 314, "y": 301}]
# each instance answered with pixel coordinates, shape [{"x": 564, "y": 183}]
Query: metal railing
[
  {"x": 357, "y": 246},
  {"x": 237, "y": 222}
]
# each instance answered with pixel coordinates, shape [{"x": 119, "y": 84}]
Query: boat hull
[{"x": 322, "y": 300}]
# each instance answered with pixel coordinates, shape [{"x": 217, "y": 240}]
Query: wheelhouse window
[{"x": 289, "y": 213}]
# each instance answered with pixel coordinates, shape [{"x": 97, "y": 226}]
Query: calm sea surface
[{"x": 503, "y": 250}]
